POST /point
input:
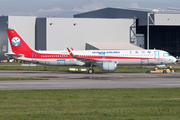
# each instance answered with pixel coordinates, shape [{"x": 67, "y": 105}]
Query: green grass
[
  {"x": 66, "y": 68},
  {"x": 93, "y": 104},
  {"x": 35, "y": 68},
  {"x": 18, "y": 78}
]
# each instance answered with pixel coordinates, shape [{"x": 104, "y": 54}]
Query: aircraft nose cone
[{"x": 175, "y": 60}]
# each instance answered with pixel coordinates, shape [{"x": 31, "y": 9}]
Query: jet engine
[
  {"x": 107, "y": 65},
  {"x": 161, "y": 66}
]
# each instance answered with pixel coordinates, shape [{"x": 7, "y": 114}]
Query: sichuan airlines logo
[{"x": 15, "y": 41}]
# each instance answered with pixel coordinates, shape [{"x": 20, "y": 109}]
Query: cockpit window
[{"x": 166, "y": 55}]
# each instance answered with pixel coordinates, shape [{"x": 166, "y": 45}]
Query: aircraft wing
[{"x": 86, "y": 60}]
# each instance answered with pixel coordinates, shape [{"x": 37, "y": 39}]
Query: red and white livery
[{"x": 106, "y": 60}]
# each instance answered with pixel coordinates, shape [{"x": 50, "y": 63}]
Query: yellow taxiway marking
[
  {"x": 120, "y": 76},
  {"x": 109, "y": 80}
]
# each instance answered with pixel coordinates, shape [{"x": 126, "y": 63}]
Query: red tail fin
[{"x": 18, "y": 45}]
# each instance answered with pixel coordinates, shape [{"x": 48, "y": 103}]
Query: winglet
[
  {"x": 72, "y": 49},
  {"x": 70, "y": 52}
]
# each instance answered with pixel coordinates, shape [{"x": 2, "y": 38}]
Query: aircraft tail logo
[
  {"x": 15, "y": 41},
  {"x": 18, "y": 45}
]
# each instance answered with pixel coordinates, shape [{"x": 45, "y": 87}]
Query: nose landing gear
[{"x": 91, "y": 70}]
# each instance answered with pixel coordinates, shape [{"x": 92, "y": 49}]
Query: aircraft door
[
  {"x": 34, "y": 57},
  {"x": 102, "y": 55},
  {"x": 156, "y": 54},
  {"x": 71, "y": 59}
]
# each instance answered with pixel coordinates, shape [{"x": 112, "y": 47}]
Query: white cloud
[
  {"x": 56, "y": 9},
  {"x": 135, "y": 5},
  {"x": 20, "y": 14},
  {"x": 92, "y": 5},
  {"x": 43, "y": 12}
]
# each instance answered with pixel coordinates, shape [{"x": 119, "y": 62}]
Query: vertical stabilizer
[{"x": 18, "y": 45}]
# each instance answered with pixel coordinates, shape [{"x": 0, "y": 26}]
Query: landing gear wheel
[
  {"x": 90, "y": 71},
  {"x": 164, "y": 71},
  {"x": 155, "y": 68}
]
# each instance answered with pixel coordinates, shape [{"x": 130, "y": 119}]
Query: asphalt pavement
[{"x": 76, "y": 80}]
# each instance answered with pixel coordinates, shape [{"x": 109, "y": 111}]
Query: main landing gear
[
  {"x": 155, "y": 68},
  {"x": 90, "y": 71}
]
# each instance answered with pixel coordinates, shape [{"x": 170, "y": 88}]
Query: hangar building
[
  {"x": 24, "y": 25},
  {"x": 59, "y": 33},
  {"x": 160, "y": 28},
  {"x": 80, "y": 33}
]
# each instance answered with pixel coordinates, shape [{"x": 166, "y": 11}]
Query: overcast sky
[{"x": 67, "y": 8}]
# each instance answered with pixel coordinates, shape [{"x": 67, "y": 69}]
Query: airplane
[{"x": 106, "y": 60}]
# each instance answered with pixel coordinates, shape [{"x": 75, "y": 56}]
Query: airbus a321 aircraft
[{"x": 106, "y": 60}]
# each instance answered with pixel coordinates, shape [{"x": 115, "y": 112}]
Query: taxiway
[{"x": 73, "y": 80}]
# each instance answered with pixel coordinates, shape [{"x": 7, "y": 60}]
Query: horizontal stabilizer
[{"x": 12, "y": 55}]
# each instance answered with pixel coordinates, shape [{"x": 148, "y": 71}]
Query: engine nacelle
[
  {"x": 161, "y": 66},
  {"x": 107, "y": 65}
]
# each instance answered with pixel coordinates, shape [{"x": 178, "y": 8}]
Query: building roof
[
  {"x": 162, "y": 17},
  {"x": 111, "y": 46},
  {"x": 168, "y": 10}
]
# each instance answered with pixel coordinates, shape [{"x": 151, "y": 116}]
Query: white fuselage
[{"x": 121, "y": 57}]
